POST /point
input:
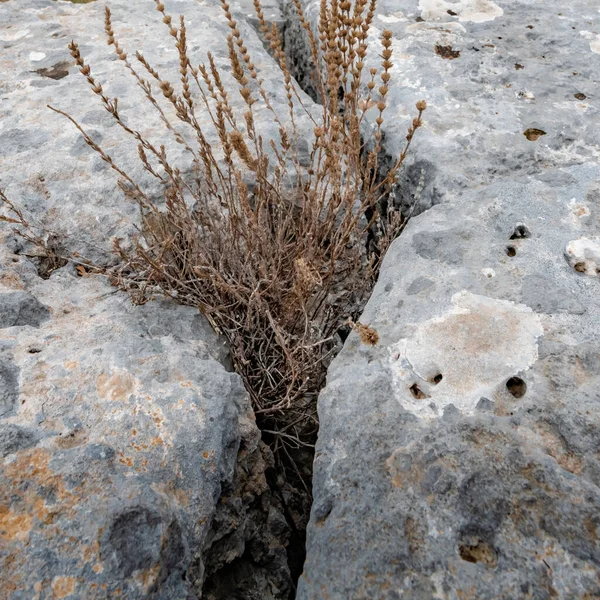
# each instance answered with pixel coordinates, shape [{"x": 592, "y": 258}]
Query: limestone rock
[
  {"x": 458, "y": 458},
  {"x": 520, "y": 66},
  {"x": 460, "y": 455},
  {"x": 120, "y": 430},
  {"x": 131, "y": 465}
]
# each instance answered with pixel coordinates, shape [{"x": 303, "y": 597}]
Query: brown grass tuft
[{"x": 280, "y": 266}]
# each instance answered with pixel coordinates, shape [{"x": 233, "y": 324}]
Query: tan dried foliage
[{"x": 276, "y": 267}]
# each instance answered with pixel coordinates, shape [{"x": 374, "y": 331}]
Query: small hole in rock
[
  {"x": 416, "y": 391},
  {"x": 516, "y": 386},
  {"x": 511, "y": 251},
  {"x": 446, "y": 52},
  {"x": 580, "y": 96},
  {"x": 34, "y": 350},
  {"x": 580, "y": 267},
  {"x": 533, "y": 134},
  {"x": 520, "y": 232},
  {"x": 478, "y": 552},
  {"x": 437, "y": 378}
]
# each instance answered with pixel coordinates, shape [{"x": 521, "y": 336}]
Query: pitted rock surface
[
  {"x": 521, "y": 66},
  {"x": 459, "y": 457}
]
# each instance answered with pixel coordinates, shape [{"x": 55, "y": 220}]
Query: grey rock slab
[
  {"x": 47, "y": 168},
  {"x": 459, "y": 456},
  {"x": 119, "y": 430},
  {"x": 9, "y": 386}
]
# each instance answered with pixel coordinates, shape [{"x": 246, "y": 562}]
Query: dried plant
[
  {"x": 277, "y": 255},
  {"x": 45, "y": 246}
]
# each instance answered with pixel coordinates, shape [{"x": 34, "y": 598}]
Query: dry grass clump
[{"x": 277, "y": 255}]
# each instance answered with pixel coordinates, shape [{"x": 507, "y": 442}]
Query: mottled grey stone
[
  {"x": 418, "y": 285},
  {"x": 462, "y": 488},
  {"x": 134, "y": 540},
  {"x": 127, "y": 450},
  {"x": 443, "y": 245},
  {"x": 66, "y": 185},
  {"x": 20, "y": 308},
  {"x": 9, "y": 386},
  {"x": 543, "y": 295},
  {"x": 485, "y": 404},
  {"x": 14, "y": 438},
  {"x": 460, "y": 491}
]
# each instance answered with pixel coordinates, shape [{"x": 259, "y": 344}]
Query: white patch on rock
[
  {"x": 395, "y": 18},
  {"x": 488, "y": 273},
  {"x": 525, "y": 95},
  {"x": 584, "y": 255},
  {"x": 594, "y": 39},
  {"x": 464, "y": 355},
  {"x": 36, "y": 56},
  {"x": 476, "y": 11},
  {"x": 13, "y": 36}
]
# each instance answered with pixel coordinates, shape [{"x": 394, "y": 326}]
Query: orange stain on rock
[
  {"x": 14, "y": 526},
  {"x": 126, "y": 460},
  {"x": 63, "y": 587},
  {"x": 90, "y": 553},
  {"x": 148, "y": 577},
  {"x": 117, "y": 386}
]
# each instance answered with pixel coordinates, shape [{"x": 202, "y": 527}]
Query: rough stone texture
[
  {"x": 19, "y": 308},
  {"x": 459, "y": 458},
  {"x": 272, "y": 12},
  {"x": 47, "y": 168},
  {"x": 131, "y": 464},
  {"x": 122, "y": 436}
]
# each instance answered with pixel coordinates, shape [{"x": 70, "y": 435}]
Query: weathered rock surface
[
  {"x": 127, "y": 447},
  {"x": 130, "y": 463},
  {"x": 490, "y": 71},
  {"x": 460, "y": 457},
  {"x": 47, "y": 168}
]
